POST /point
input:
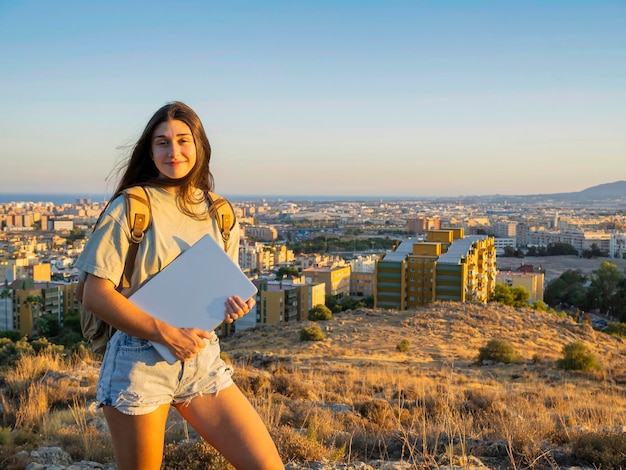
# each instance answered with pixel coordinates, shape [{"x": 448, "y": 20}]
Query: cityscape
[{"x": 393, "y": 254}]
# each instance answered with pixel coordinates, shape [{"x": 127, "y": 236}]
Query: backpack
[{"x": 139, "y": 217}]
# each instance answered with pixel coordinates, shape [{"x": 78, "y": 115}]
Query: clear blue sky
[{"x": 376, "y": 98}]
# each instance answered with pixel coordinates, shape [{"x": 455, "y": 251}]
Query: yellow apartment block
[
  {"x": 361, "y": 284},
  {"x": 421, "y": 273},
  {"x": 532, "y": 282},
  {"x": 271, "y": 308},
  {"x": 447, "y": 266},
  {"x": 31, "y": 300},
  {"x": 281, "y": 301},
  {"x": 336, "y": 278},
  {"x": 310, "y": 295}
]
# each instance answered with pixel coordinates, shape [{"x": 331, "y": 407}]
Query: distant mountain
[
  {"x": 609, "y": 192},
  {"x": 601, "y": 192}
]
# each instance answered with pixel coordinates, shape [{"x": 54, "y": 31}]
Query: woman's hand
[
  {"x": 236, "y": 308},
  {"x": 185, "y": 343}
]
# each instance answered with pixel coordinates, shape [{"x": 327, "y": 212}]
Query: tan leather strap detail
[
  {"x": 222, "y": 210},
  {"x": 139, "y": 216},
  {"x": 137, "y": 212}
]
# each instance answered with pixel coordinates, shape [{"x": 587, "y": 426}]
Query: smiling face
[{"x": 173, "y": 149}]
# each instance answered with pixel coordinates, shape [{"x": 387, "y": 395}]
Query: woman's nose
[{"x": 173, "y": 149}]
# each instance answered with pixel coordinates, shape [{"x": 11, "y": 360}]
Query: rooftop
[{"x": 459, "y": 249}]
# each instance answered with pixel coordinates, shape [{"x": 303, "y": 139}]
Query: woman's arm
[{"x": 102, "y": 299}]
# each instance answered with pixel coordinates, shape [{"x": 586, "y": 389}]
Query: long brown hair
[{"x": 141, "y": 170}]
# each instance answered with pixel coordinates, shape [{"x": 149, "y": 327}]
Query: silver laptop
[{"x": 191, "y": 290}]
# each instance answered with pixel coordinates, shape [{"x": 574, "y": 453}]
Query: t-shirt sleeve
[{"x": 105, "y": 251}]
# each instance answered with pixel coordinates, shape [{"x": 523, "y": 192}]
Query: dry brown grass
[
  {"x": 354, "y": 396},
  {"x": 360, "y": 394}
]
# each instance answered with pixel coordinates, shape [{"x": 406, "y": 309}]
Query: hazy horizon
[
  {"x": 345, "y": 99},
  {"x": 69, "y": 196}
]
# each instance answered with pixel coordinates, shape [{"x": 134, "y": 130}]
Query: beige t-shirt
[{"x": 170, "y": 233}]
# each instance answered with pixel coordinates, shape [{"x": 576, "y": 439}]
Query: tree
[
  {"x": 350, "y": 303},
  {"x": 34, "y": 301},
  {"x": 509, "y": 251},
  {"x": 569, "y": 289},
  {"x": 520, "y": 296},
  {"x": 604, "y": 291},
  {"x": 593, "y": 252},
  {"x": 513, "y": 296},
  {"x": 532, "y": 251},
  {"x": 502, "y": 294},
  {"x": 332, "y": 304},
  {"x": 559, "y": 249},
  {"x": 320, "y": 312},
  {"x": 48, "y": 325},
  {"x": 286, "y": 271}
]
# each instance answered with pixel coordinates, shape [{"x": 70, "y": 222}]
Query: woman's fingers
[{"x": 236, "y": 308}]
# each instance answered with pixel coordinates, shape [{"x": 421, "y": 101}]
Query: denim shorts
[{"x": 136, "y": 380}]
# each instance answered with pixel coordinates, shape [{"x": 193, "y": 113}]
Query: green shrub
[
  {"x": 539, "y": 306},
  {"x": 499, "y": 351},
  {"x": 320, "y": 312},
  {"x": 5, "y": 436},
  {"x": 576, "y": 356},
  {"x": 12, "y": 335},
  {"x": 616, "y": 329},
  {"x": 403, "y": 346},
  {"x": 311, "y": 333},
  {"x": 602, "y": 450}
]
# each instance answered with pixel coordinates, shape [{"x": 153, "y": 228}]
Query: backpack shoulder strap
[
  {"x": 138, "y": 211},
  {"x": 139, "y": 217},
  {"x": 222, "y": 210}
]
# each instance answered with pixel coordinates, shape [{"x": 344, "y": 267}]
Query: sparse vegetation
[
  {"x": 512, "y": 296},
  {"x": 498, "y": 350},
  {"x": 311, "y": 333},
  {"x": 403, "y": 345},
  {"x": 617, "y": 329},
  {"x": 576, "y": 356},
  {"x": 320, "y": 313},
  {"x": 604, "y": 449},
  {"x": 357, "y": 397}
]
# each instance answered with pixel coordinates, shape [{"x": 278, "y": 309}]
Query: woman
[{"x": 136, "y": 387}]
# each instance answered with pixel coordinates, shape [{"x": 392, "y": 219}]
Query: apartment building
[
  {"x": 446, "y": 266},
  {"x": 261, "y": 233},
  {"x": 421, "y": 225},
  {"x": 504, "y": 229},
  {"x": 31, "y": 300},
  {"x": 335, "y": 278},
  {"x": 287, "y": 300},
  {"x": 501, "y": 243},
  {"x": 362, "y": 278},
  {"x": 617, "y": 245},
  {"x": 531, "y": 281}
]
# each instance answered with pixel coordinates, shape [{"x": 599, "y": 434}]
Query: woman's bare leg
[
  {"x": 137, "y": 440},
  {"x": 228, "y": 422}
]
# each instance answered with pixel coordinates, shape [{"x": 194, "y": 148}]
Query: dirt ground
[{"x": 554, "y": 266}]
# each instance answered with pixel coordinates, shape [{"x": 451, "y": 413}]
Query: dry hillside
[
  {"x": 353, "y": 397},
  {"x": 442, "y": 334}
]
